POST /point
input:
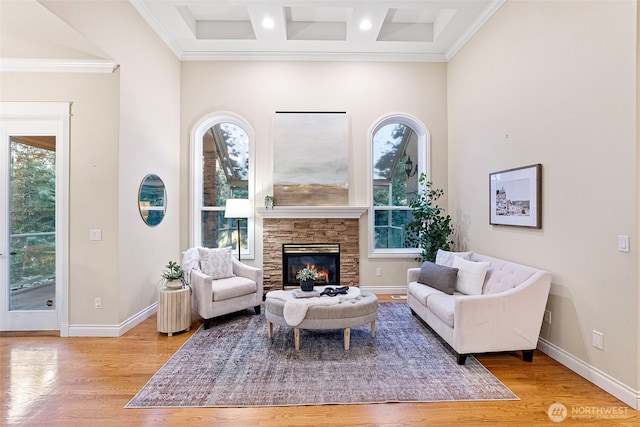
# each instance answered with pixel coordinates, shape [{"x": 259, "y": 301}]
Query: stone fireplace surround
[{"x": 307, "y": 225}]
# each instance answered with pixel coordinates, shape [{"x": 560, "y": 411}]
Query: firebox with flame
[
  {"x": 323, "y": 258},
  {"x": 322, "y": 272}
]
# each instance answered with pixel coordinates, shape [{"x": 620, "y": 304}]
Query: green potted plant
[
  {"x": 307, "y": 277},
  {"x": 268, "y": 202},
  {"x": 172, "y": 276},
  {"x": 430, "y": 229}
]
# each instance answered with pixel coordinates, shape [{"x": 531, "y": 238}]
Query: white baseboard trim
[
  {"x": 609, "y": 384},
  {"x": 394, "y": 290},
  {"x": 112, "y": 330},
  {"x": 64, "y": 329}
]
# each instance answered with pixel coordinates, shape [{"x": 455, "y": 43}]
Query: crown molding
[
  {"x": 37, "y": 65},
  {"x": 159, "y": 29},
  {"x": 482, "y": 19},
  {"x": 313, "y": 56}
]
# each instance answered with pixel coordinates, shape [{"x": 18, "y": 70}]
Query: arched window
[
  {"x": 399, "y": 154},
  {"x": 222, "y": 169}
]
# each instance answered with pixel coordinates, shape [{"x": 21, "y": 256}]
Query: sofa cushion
[
  {"x": 422, "y": 292},
  {"x": 440, "y": 277},
  {"x": 446, "y": 257},
  {"x": 503, "y": 275},
  {"x": 470, "y": 276},
  {"x": 232, "y": 287},
  {"x": 442, "y": 307},
  {"x": 216, "y": 262}
]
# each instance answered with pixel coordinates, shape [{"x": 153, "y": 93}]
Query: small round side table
[{"x": 174, "y": 310}]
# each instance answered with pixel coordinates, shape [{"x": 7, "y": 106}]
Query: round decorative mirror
[{"x": 152, "y": 198}]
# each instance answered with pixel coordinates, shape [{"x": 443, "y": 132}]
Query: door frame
[{"x": 60, "y": 112}]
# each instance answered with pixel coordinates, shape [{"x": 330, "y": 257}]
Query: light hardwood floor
[{"x": 51, "y": 381}]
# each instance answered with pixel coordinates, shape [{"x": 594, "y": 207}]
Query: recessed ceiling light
[
  {"x": 365, "y": 25},
  {"x": 268, "y": 23}
]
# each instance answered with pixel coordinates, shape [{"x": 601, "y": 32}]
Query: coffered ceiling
[{"x": 377, "y": 30}]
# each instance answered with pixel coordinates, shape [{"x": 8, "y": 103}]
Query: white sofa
[{"x": 506, "y": 316}]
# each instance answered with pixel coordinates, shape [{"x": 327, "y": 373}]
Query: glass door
[{"x": 28, "y": 219}]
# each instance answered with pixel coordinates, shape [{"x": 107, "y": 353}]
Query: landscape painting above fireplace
[{"x": 310, "y": 159}]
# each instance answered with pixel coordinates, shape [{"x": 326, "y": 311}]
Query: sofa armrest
[
  {"x": 505, "y": 321},
  {"x": 253, "y": 273},
  {"x": 412, "y": 275},
  {"x": 202, "y": 289}
]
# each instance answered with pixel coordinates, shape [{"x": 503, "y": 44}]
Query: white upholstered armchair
[{"x": 220, "y": 283}]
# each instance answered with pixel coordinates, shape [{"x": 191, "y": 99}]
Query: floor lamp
[{"x": 238, "y": 209}]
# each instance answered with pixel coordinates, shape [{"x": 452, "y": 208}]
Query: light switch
[
  {"x": 623, "y": 243},
  {"x": 95, "y": 234},
  {"x": 597, "y": 339}
]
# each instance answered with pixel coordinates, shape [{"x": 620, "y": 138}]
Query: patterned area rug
[{"x": 235, "y": 364}]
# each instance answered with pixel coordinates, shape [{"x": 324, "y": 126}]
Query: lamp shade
[{"x": 237, "y": 208}]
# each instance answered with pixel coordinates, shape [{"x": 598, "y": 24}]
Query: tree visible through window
[
  {"x": 395, "y": 164},
  {"x": 33, "y": 212},
  {"x": 225, "y": 175}
]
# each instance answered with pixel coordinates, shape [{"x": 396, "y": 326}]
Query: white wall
[
  {"x": 559, "y": 78},
  {"x": 366, "y": 91}
]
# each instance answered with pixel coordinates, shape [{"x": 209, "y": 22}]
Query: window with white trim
[
  {"x": 222, "y": 169},
  {"x": 399, "y": 150}
]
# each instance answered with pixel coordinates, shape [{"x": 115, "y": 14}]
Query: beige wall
[
  {"x": 637, "y": 322},
  {"x": 93, "y": 185},
  {"x": 559, "y": 78},
  {"x": 147, "y": 141},
  {"x": 124, "y": 126},
  {"x": 31, "y": 31},
  {"x": 366, "y": 91}
]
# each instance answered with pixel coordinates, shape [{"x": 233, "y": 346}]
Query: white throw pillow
[
  {"x": 470, "y": 275},
  {"x": 446, "y": 257},
  {"x": 216, "y": 262}
]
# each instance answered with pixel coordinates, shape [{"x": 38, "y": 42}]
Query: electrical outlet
[
  {"x": 378, "y": 272},
  {"x": 98, "y": 302},
  {"x": 547, "y": 317},
  {"x": 95, "y": 234},
  {"x": 597, "y": 339}
]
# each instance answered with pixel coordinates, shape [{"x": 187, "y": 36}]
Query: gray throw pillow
[{"x": 439, "y": 277}]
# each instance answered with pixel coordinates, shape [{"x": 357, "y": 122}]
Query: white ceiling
[{"x": 409, "y": 30}]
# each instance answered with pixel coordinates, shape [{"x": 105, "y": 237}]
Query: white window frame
[
  {"x": 424, "y": 166},
  {"x": 197, "y": 133}
]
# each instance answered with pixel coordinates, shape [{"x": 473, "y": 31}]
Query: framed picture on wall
[{"x": 516, "y": 197}]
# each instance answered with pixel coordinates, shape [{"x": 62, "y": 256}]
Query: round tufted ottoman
[{"x": 343, "y": 314}]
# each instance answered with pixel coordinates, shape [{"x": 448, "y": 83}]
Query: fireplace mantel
[{"x": 312, "y": 212}]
